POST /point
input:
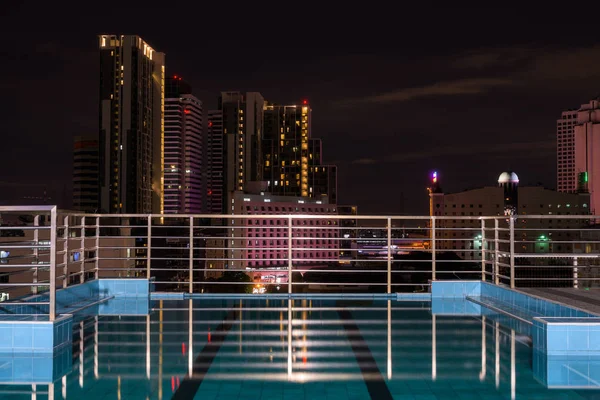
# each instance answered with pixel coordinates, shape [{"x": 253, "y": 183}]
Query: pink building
[
  {"x": 587, "y": 147},
  {"x": 263, "y": 242}
]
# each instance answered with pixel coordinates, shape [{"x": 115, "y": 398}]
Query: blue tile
[
  {"x": 143, "y": 288},
  {"x": 472, "y": 288},
  {"x": 578, "y": 339},
  {"x": 22, "y": 369},
  {"x": 132, "y": 287},
  {"x": 6, "y": 368},
  {"x": 43, "y": 337},
  {"x": 120, "y": 288},
  {"x": 594, "y": 370},
  {"x": 23, "y": 336},
  {"x": 578, "y": 373},
  {"x": 594, "y": 339},
  {"x": 556, "y": 340},
  {"x": 558, "y": 374},
  {"x": 43, "y": 368},
  {"x": 6, "y": 337}
]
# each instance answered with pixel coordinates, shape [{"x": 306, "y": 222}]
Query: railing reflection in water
[{"x": 299, "y": 341}]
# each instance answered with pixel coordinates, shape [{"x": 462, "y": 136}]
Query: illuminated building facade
[
  {"x": 587, "y": 147},
  {"x": 263, "y": 242},
  {"x": 566, "y": 179},
  {"x": 464, "y": 235},
  {"x": 292, "y": 160},
  {"x": 348, "y": 233},
  {"x": 131, "y": 140},
  {"x": 183, "y": 189},
  {"x": 85, "y": 174},
  {"x": 215, "y": 168}
]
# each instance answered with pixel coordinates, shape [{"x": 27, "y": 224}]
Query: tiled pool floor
[{"x": 248, "y": 349}]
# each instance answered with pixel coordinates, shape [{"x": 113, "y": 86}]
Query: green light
[{"x": 585, "y": 177}]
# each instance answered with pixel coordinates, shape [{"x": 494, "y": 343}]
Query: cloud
[
  {"x": 497, "y": 57},
  {"x": 534, "y": 64},
  {"x": 506, "y": 150},
  {"x": 364, "y": 161},
  {"x": 446, "y": 88}
]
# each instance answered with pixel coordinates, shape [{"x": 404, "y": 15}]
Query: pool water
[{"x": 333, "y": 349}]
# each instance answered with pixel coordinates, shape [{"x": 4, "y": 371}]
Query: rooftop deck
[{"x": 584, "y": 299}]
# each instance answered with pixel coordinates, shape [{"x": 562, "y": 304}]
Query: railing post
[
  {"x": 290, "y": 265},
  {"x": 36, "y": 240},
  {"x": 52, "y": 269},
  {"x": 389, "y": 255},
  {"x": 433, "y": 248},
  {"x": 575, "y": 274},
  {"x": 496, "y": 250},
  {"x": 512, "y": 252},
  {"x": 148, "y": 247},
  {"x": 483, "y": 255},
  {"x": 97, "y": 245},
  {"x": 191, "y": 255},
  {"x": 82, "y": 247},
  {"x": 66, "y": 252}
]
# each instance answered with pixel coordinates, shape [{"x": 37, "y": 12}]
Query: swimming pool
[{"x": 224, "y": 349}]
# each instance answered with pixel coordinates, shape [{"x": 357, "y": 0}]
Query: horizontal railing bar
[
  {"x": 4, "y": 245},
  {"x": 557, "y": 255},
  {"x": 556, "y": 279},
  {"x": 283, "y": 283},
  {"x": 23, "y": 284}
]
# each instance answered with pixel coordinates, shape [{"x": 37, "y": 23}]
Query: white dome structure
[{"x": 508, "y": 177}]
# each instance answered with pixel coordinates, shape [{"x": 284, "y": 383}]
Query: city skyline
[{"x": 495, "y": 98}]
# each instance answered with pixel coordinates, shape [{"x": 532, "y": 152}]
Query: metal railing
[{"x": 42, "y": 249}]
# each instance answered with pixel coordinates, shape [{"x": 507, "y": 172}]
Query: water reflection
[{"x": 202, "y": 345}]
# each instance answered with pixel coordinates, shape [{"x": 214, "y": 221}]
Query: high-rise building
[
  {"x": 566, "y": 180},
  {"x": 292, "y": 160},
  {"x": 183, "y": 183},
  {"x": 239, "y": 120},
  {"x": 587, "y": 146},
  {"x": 242, "y": 128},
  {"x": 131, "y": 141},
  {"x": 215, "y": 175},
  {"x": 85, "y": 174}
]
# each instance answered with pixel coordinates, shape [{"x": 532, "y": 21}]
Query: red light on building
[
  {"x": 209, "y": 124},
  {"x": 304, "y": 101},
  {"x": 183, "y": 349},
  {"x": 179, "y": 78},
  {"x": 174, "y": 76},
  {"x": 186, "y": 111},
  {"x": 210, "y": 192}
]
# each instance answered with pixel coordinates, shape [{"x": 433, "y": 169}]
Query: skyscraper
[
  {"x": 215, "y": 175},
  {"x": 566, "y": 181},
  {"x": 241, "y": 119},
  {"x": 85, "y": 173},
  {"x": 292, "y": 160},
  {"x": 132, "y": 76},
  {"x": 183, "y": 189},
  {"x": 587, "y": 147}
]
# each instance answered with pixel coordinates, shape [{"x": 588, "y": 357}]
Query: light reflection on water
[{"x": 253, "y": 349}]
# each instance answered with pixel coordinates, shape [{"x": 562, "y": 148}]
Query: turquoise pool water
[{"x": 333, "y": 349}]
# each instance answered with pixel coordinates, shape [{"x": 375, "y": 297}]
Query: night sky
[{"x": 395, "y": 92}]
